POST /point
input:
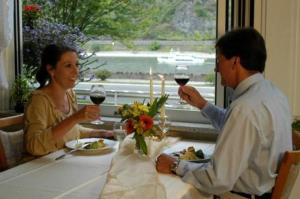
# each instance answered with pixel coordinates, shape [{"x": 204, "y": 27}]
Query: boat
[{"x": 181, "y": 58}]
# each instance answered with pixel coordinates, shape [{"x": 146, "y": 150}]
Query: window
[{"x": 129, "y": 38}]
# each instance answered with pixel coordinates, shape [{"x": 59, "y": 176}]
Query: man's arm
[{"x": 215, "y": 114}]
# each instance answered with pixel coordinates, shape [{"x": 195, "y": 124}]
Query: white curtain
[{"x": 6, "y": 16}]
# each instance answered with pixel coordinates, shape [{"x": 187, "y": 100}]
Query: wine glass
[
  {"x": 181, "y": 77},
  {"x": 97, "y": 96},
  {"x": 119, "y": 132}
]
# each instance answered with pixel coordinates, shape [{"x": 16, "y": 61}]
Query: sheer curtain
[{"x": 6, "y": 32}]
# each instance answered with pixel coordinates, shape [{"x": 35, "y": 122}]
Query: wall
[{"x": 281, "y": 28}]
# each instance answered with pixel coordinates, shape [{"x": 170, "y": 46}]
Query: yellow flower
[
  {"x": 138, "y": 109},
  {"x": 138, "y": 128}
]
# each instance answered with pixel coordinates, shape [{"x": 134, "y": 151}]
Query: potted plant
[
  {"x": 20, "y": 93},
  {"x": 296, "y": 133}
]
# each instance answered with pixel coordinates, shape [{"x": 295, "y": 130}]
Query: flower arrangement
[
  {"x": 138, "y": 119},
  {"x": 38, "y": 32},
  {"x": 30, "y": 14}
]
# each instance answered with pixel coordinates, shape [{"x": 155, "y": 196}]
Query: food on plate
[
  {"x": 95, "y": 145},
  {"x": 191, "y": 154}
]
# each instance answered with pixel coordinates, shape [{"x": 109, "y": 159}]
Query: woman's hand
[
  {"x": 191, "y": 96},
  {"x": 164, "y": 163},
  {"x": 87, "y": 113}
]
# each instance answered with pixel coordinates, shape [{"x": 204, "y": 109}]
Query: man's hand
[
  {"x": 164, "y": 163},
  {"x": 191, "y": 96}
]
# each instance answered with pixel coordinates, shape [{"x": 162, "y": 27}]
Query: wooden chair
[
  {"x": 290, "y": 159},
  {"x": 11, "y": 120},
  {"x": 4, "y": 123}
]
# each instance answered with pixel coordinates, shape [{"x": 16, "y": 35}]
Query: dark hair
[
  {"x": 50, "y": 56},
  {"x": 246, "y": 43}
]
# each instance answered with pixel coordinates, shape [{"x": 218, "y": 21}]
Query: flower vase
[
  {"x": 138, "y": 151},
  {"x": 140, "y": 146}
]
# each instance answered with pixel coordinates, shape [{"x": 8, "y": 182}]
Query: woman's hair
[
  {"x": 246, "y": 43},
  {"x": 50, "y": 56}
]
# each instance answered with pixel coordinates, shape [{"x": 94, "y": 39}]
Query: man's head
[{"x": 240, "y": 52}]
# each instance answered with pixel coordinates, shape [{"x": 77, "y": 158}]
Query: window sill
[{"x": 193, "y": 131}]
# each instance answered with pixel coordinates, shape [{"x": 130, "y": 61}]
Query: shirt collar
[{"x": 246, "y": 84}]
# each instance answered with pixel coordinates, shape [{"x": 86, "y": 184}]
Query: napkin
[{"x": 133, "y": 175}]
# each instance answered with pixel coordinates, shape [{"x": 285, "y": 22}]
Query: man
[{"x": 254, "y": 131}]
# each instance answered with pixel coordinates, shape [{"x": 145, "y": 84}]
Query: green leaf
[
  {"x": 296, "y": 125},
  {"x": 157, "y": 104}
]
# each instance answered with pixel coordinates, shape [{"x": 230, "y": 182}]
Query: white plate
[
  {"x": 109, "y": 145},
  {"x": 204, "y": 160}
]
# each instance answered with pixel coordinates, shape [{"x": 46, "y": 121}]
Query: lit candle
[
  {"x": 162, "y": 92},
  {"x": 151, "y": 86}
]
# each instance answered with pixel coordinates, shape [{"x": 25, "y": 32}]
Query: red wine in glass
[
  {"x": 182, "y": 80},
  {"x": 181, "y": 77},
  {"x": 97, "y": 96},
  {"x": 97, "y": 99}
]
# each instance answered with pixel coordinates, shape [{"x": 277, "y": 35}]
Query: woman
[{"x": 52, "y": 116}]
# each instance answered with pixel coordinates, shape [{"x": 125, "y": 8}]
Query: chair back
[
  {"x": 4, "y": 123},
  {"x": 11, "y": 120},
  {"x": 287, "y": 175}
]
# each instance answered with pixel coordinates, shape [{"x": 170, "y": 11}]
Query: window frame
[
  {"x": 176, "y": 115},
  {"x": 188, "y": 116}
]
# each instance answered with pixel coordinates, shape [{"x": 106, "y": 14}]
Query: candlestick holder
[{"x": 164, "y": 124}]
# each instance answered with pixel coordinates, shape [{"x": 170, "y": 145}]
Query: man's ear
[{"x": 236, "y": 62}]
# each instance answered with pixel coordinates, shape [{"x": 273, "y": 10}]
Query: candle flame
[{"x": 161, "y": 77}]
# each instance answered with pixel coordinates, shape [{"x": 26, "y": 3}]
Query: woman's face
[{"x": 66, "y": 71}]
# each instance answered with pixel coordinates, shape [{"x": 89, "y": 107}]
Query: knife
[{"x": 71, "y": 151}]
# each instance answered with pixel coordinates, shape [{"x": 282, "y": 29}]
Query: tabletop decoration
[
  {"x": 151, "y": 92},
  {"x": 162, "y": 110},
  {"x": 138, "y": 119}
]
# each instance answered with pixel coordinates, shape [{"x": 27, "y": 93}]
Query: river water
[{"x": 142, "y": 65}]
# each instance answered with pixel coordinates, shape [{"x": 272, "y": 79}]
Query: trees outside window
[{"x": 124, "y": 38}]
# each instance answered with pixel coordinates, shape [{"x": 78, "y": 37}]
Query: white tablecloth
[
  {"x": 133, "y": 176},
  {"x": 79, "y": 176},
  {"x": 75, "y": 176}
]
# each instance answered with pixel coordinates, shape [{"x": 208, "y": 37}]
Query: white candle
[
  {"x": 162, "y": 92},
  {"x": 151, "y": 86}
]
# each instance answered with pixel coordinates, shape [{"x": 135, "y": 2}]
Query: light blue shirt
[{"x": 255, "y": 131}]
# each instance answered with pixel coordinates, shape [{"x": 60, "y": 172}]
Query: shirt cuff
[
  {"x": 182, "y": 168},
  {"x": 208, "y": 107}
]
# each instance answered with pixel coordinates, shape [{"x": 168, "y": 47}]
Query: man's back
[{"x": 267, "y": 110}]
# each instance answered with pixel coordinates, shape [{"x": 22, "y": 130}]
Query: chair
[
  {"x": 5, "y": 123},
  {"x": 288, "y": 172},
  {"x": 11, "y": 120}
]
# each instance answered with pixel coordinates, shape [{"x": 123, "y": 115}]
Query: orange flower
[
  {"x": 129, "y": 126},
  {"x": 146, "y": 122}
]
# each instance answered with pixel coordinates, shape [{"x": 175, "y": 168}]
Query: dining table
[{"x": 90, "y": 176}]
